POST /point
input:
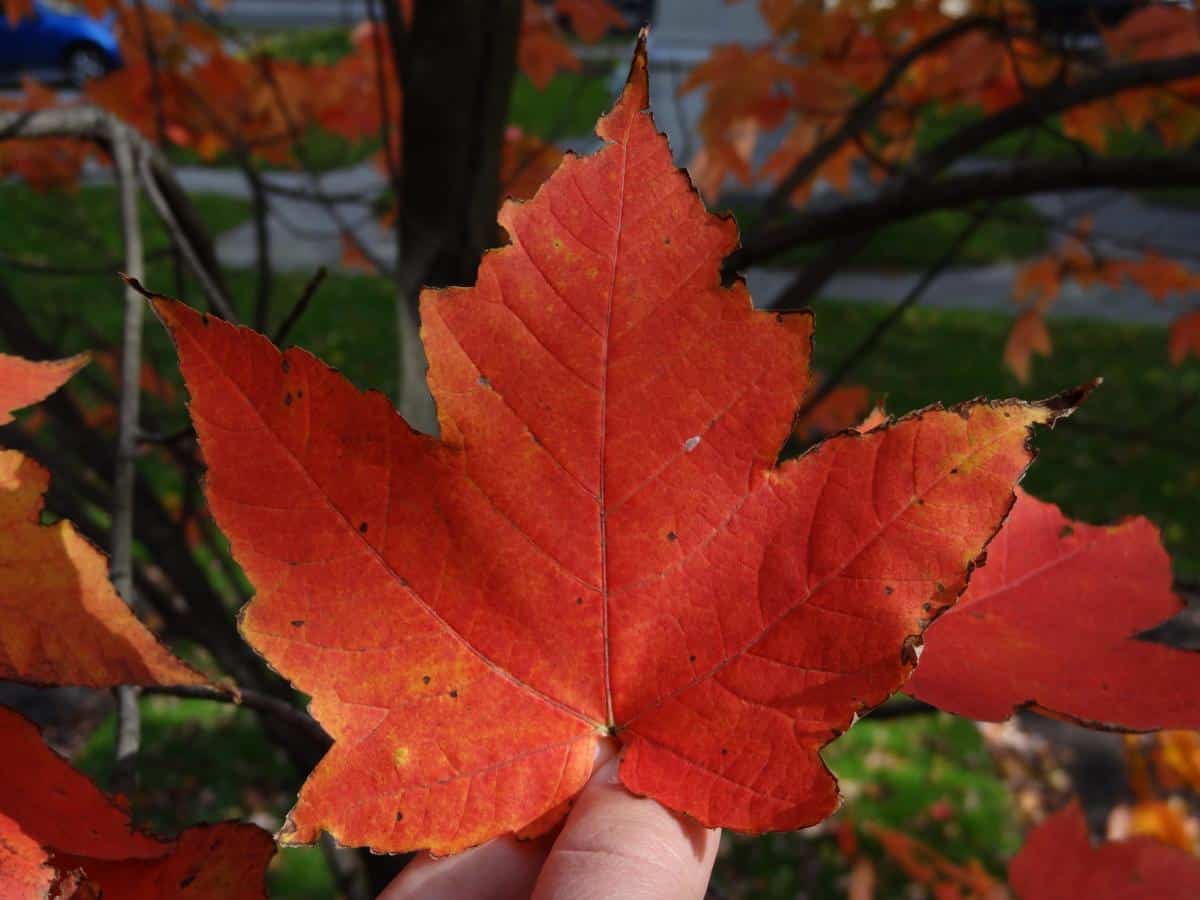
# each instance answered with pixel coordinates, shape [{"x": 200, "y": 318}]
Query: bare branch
[
  {"x": 868, "y": 344},
  {"x": 125, "y": 473},
  {"x": 864, "y": 113},
  {"x": 264, "y": 703},
  {"x": 1052, "y": 101},
  {"x": 858, "y": 217},
  {"x": 301, "y": 305}
]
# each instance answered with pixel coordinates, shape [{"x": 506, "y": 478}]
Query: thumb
[{"x": 617, "y": 845}]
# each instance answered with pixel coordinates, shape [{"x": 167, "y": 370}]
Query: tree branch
[
  {"x": 864, "y": 113},
  {"x": 856, "y": 356},
  {"x": 124, "y": 475},
  {"x": 906, "y": 201},
  {"x": 1050, "y": 102},
  {"x": 259, "y": 702}
]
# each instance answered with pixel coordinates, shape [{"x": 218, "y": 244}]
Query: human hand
[{"x": 612, "y": 844}]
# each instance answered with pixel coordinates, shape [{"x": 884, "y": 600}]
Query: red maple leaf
[
  {"x": 1058, "y": 862},
  {"x": 61, "y": 836},
  {"x": 1052, "y": 621},
  {"x": 601, "y": 545}
]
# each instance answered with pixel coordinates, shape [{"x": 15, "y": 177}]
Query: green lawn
[
  {"x": 1087, "y": 464},
  {"x": 928, "y": 776}
]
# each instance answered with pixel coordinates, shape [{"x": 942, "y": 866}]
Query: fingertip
[
  {"x": 614, "y": 838},
  {"x": 503, "y": 869}
]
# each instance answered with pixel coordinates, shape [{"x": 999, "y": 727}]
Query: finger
[
  {"x": 617, "y": 845},
  {"x": 503, "y": 869}
]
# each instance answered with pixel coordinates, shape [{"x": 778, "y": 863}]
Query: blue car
[{"x": 59, "y": 41}]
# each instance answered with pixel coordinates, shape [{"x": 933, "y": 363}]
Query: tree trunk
[{"x": 458, "y": 63}]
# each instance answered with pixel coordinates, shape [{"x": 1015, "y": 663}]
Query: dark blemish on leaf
[
  {"x": 187, "y": 881},
  {"x": 779, "y": 318},
  {"x": 954, "y": 471},
  {"x": 362, "y": 527},
  {"x": 287, "y": 399},
  {"x": 204, "y": 319},
  {"x": 399, "y": 817},
  {"x": 579, "y": 601},
  {"x": 926, "y": 607},
  {"x": 666, "y": 242},
  {"x": 299, "y": 394},
  {"x": 724, "y": 751},
  {"x": 920, "y": 502},
  {"x": 1065, "y": 532},
  {"x": 692, "y": 658},
  {"x": 425, "y": 679},
  {"x": 454, "y": 695},
  {"x": 889, "y": 590},
  {"x": 672, "y": 536},
  {"x": 483, "y": 381},
  {"x": 296, "y": 623},
  {"x": 286, "y": 365},
  {"x": 940, "y": 587}
]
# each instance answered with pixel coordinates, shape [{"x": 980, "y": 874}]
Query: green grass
[
  {"x": 82, "y": 228},
  {"x": 208, "y": 762},
  {"x": 1017, "y": 232},
  {"x": 894, "y": 774},
  {"x": 1086, "y": 465}
]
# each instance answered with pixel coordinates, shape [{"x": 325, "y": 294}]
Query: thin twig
[
  {"x": 301, "y": 306},
  {"x": 864, "y": 112},
  {"x": 215, "y": 295},
  {"x": 255, "y": 700},
  {"x": 851, "y": 361}
]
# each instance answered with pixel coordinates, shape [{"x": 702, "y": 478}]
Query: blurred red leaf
[
  {"x": 1052, "y": 621},
  {"x": 1058, "y": 862}
]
